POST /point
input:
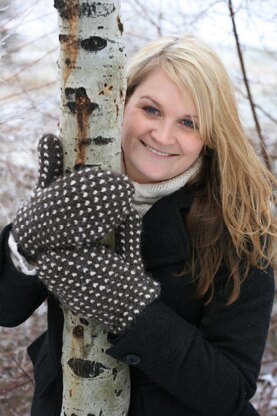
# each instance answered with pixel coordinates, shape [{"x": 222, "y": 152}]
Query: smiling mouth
[{"x": 157, "y": 152}]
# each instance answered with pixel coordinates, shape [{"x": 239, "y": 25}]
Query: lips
[{"x": 158, "y": 152}]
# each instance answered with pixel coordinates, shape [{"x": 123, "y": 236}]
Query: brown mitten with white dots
[
  {"x": 98, "y": 283},
  {"x": 73, "y": 210}
]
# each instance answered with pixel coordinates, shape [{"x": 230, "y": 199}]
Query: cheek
[
  {"x": 124, "y": 131},
  {"x": 127, "y": 138},
  {"x": 123, "y": 135},
  {"x": 199, "y": 146},
  {"x": 192, "y": 146},
  {"x": 131, "y": 129}
]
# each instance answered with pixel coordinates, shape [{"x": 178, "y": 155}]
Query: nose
[{"x": 163, "y": 133}]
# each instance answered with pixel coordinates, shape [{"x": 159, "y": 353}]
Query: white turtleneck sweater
[{"x": 145, "y": 196}]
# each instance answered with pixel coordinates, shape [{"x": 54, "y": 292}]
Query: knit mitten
[
  {"x": 128, "y": 240},
  {"x": 71, "y": 210},
  {"x": 98, "y": 283}
]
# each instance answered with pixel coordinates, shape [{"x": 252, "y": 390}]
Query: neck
[{"x": 147, "y": 194}]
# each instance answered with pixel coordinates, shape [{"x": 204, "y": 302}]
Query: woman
[{"x": 192, "y": 320}]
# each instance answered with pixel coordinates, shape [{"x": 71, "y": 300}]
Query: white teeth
[{"x": 156, "y": 151}]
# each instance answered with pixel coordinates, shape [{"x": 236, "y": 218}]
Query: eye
[
  {"x": 151, "y": 110},
  {"x": 188, "y": 123}
]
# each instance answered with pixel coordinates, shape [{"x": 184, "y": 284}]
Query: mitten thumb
[
  {"x": 50, "y": 160},
  {"x": 128, "y": 240}
]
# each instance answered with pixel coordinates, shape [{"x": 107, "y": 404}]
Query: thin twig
[{"x": 248, "y": 89}]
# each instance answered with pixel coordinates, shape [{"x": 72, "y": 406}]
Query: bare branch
[{"x": 248, "y": 89}]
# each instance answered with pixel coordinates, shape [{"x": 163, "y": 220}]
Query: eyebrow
[{"x": 158, "y": 105}]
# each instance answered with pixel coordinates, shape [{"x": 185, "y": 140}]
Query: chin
[
  {"x": 153, "y": 178},
  {"x": 143, "y": 175}
]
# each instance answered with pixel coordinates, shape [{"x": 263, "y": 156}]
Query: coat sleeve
[
  {"x": 212, "y": 368},
  {"x": 20, "y": 294}
]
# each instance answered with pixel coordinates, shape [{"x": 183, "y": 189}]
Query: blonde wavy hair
[{"x": 231, "y": 220}]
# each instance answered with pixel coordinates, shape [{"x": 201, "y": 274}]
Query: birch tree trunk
[{"x": 91, "y": 63}]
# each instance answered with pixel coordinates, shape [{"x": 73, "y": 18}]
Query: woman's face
[{"x": 158, "y": 138}]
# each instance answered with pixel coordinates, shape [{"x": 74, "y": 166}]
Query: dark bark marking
[
  {"x": 94, "y": 43},
  {"x": 71, "y": 9},
  {"x": 81, "y": 106},
  {"x": 118, "y": 392},
  {"x": 106, "y": 90},
  {"x": 86, "y": 368},
  {"x": 58, "y": 4},
  {"x": 115, "y": 372},
  {"x": 84, "y": 321},
  {"x": 80, "y": 166},
  {"x": 67, "y": 9},
  {"x": 85, "y": 142},
  {"x": 84, "y": 108},
  {"x": 120, "y": 25},
  {"x": 82, "y": 103},
  {"x": 72, "y": 107},
  {"x": 78, "y": 331},
  {"x": 69, "y": 92},
  {"x": 101, "y": 141},
  {"x": 71, "y": 43},
  {"x": 69, "y": 40},
  {"x": 97, "y": 9}
]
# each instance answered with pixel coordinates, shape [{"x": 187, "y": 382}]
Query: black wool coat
[{"x": 186, "y": 359}]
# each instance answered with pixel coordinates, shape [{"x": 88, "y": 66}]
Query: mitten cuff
[
  {"x": 20, "y": 262},
  {"x": 149, "y": 292}
]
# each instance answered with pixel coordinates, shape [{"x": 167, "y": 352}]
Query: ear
[{"x": 50, "y": 160}]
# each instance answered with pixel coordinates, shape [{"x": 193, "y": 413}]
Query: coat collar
[{"x": 164, "y": 237}]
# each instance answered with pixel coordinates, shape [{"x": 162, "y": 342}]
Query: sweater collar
[{"x": 148, "y": 194}]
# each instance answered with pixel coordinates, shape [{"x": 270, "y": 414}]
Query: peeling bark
[{"x": 91, "y": 63}]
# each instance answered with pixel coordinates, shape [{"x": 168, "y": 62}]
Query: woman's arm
[
  {"x": 20, "y": 294},
  {"x": 213, "y": 369}
]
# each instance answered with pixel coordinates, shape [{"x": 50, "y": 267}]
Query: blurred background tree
[{"x": 29, "y": 98}]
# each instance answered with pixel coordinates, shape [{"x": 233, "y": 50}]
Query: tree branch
[{"x": 247, "y": 86}]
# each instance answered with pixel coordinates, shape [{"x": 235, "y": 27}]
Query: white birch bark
[{"x": 91, "y": 63}]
